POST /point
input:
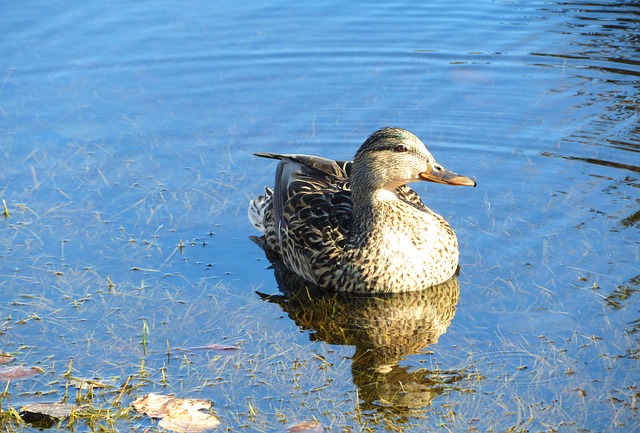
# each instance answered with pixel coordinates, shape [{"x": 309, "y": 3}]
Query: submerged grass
[
  {"x": 110, "y": 288},
  {"x": 101, "y": 346},
  {"x": 5, "y": 210}
]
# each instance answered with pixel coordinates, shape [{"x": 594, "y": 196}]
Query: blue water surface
[{"x": 127, "y": 131}]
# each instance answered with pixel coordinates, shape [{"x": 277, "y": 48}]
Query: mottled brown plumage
[{"x": 356, "y": 226}]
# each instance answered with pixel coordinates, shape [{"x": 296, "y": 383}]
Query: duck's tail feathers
[{"x": 257, "y": 208}]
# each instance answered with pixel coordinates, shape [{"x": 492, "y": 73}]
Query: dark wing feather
[
  {"x": 312, "y": 205},
  {"x": 338, "y": 169},
  {"x": 296, "y": 167}
]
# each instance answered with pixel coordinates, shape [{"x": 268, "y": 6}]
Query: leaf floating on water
[
  {"x": 307, "y": 426},
  {"x": 177, "y": 414},
  {"x": 18, "y": 373},
  {"x": 45, "y": 415},
  {"x": 153, "y": 405},
  {"x": 189, "y": 422}
]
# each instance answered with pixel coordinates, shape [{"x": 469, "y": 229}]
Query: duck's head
[{"x": 391, "y": 157}]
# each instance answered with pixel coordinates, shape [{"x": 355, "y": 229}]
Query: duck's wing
[
  {"x": 297, "y": 173},
  {"x": 311, "y": 212}
]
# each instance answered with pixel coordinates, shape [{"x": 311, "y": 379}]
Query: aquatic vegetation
[{"x": 125, "y": 264}]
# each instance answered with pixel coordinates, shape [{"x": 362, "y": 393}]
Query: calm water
[{"x": 129, "y": 127}]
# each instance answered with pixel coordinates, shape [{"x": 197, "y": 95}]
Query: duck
[{"x": 356, "y": 226}]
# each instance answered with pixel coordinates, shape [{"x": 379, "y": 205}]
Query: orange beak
[{"x": 439, "y": 174}]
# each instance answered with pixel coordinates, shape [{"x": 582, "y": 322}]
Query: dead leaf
[
  {"x": 45, "y": 415},
  {"x": 53, "y": 410},
  {"x": 18, "y": 373},
  {"x": 189, "y": 422},
  {"x": 177, "y": 414},
  {"x": 307, "y": 426},
  {"x": 153, "y": 405}
]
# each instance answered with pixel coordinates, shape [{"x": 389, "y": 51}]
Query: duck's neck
[
  {"x": 371, "y": 194},
  {"x": 369, "y": 206}
]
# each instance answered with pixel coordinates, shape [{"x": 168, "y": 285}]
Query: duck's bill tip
[
  {"x": 447, "y": 177},
  {"x": 462, "y": 181}
]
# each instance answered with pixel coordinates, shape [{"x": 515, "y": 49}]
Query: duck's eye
[{"x": 401, "y": 148}]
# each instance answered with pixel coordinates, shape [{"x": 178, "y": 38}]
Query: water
[{"x": 129, "y": 127}]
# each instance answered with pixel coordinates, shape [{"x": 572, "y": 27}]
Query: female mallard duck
[{"x": 356, "y": 226}]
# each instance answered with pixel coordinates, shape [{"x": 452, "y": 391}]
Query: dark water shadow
[
  {"x": 384, "y": 329},
  {"x": 604, "y": 59}
]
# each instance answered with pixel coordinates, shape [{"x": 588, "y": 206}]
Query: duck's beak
[{"x": 438, "y": 174}]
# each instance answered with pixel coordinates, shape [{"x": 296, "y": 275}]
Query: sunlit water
[{"x": 127, "y": 130}]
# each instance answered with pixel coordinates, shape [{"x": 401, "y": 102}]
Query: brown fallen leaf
[
  {"x": 153, "y": 405},
  {"x": 177, "y": 414},
  {"x": 188, "y": 422},
  {"x": 18, "y": 373},
  {"x": 307, "y": 426}
]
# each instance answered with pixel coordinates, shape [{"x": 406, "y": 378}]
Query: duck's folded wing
[
  {"x": 307, "y": 171},
  {"x": 311, "y": 206}
]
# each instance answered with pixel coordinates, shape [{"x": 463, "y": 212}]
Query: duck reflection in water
[
  {"x": 362, "y": 261},
  {"x": 384, "y": 329}
]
